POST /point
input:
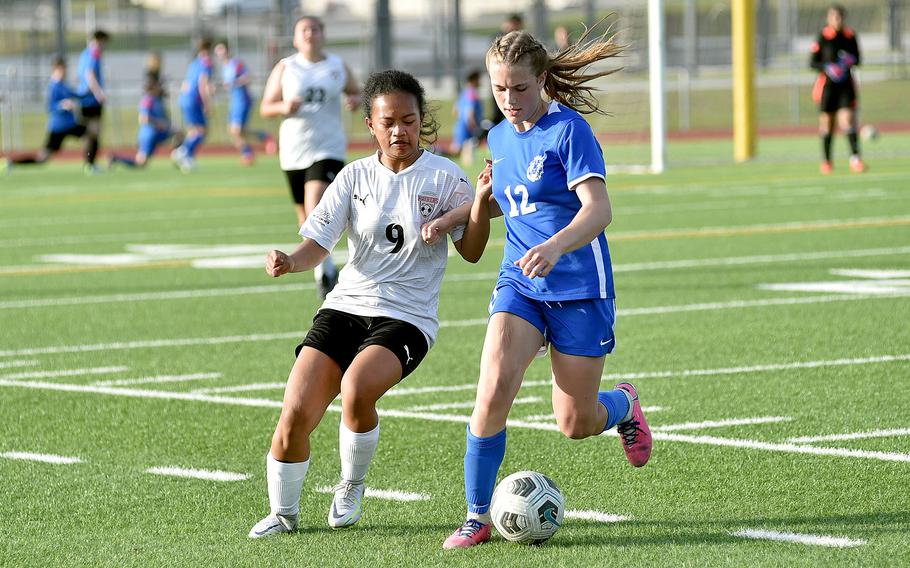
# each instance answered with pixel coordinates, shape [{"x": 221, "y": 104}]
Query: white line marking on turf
[
  {"x": 388, "y": 494},
  {"x": 470, "y": 404},
  {"x": 634, "y": 267},
  {"x": 721, "y": 423},
  {"x": 595, "y": 516},
  {"x": 46, "y": 458},
  {"x": 158, "y": 379},
  {"x": 265, "y": 403},
  {"x": 150, "y": 343},
  {"x": 810, "y": 539},
  {"x": 852, "y": 436},
  {"x": 241, "y": 388},
  {"x": 63, "y": 373},
  {"x": 198, "y": 473},
  {"x": 784, "y": 447},
  {"x": 872, "y": 274},
  {"x": 11, "y": 364},
  {"x": 737, "y": 304}
]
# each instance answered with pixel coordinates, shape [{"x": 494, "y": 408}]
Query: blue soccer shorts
[
  {"x": 239, "y": 115},
  {"x": 193, "y": 115},
  {"x": 149, "y": 140},
  {"x": 573, "y": 327}
]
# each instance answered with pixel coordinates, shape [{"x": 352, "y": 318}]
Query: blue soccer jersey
[
  {"x": 152, "y": 109},
  {"x": 533, "y": 176},
  {"x": 233, "y": 71},
  {"x": 59, "y": 119},
  {"x": 89, "y": 60},
  {"x": 200, "y": 67}
]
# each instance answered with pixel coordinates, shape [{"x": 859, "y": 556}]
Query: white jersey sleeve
[
  {"x": 461, "y": 194},
  {"x": 331, "y": 216}
]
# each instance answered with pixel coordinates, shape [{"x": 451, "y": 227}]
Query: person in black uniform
[{"x": 834, "y": 54}]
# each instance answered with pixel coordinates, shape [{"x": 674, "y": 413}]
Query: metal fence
[{"x": 429, "y": 41}]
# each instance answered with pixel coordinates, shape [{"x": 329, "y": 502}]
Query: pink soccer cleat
[
  {"x": 634, "y": 433},
  {"x": 826, "y": 168},
  {"x": 857, "y": 165},
  {"x": 471, "y": 533}
]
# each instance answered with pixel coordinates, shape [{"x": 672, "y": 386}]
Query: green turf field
[{"x": 763, "y": 317}]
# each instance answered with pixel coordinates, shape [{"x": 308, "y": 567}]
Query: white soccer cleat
[
  {"x": 274, "y": 524},
  {"x": 347, "y": 506}
]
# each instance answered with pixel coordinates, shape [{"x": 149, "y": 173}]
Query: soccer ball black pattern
[{"x": 527, "y": 507}]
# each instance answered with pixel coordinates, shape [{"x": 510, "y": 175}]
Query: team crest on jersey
[
  {"x": 535, "y": 168},
  {"x": 426, "y": 203}
]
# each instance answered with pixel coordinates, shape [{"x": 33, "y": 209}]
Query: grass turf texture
[{"x": 681, "y": 508}]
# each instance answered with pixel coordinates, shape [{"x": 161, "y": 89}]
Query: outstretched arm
[{"x": 308, "y": 254}]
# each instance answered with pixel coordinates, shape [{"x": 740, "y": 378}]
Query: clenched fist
[{"x": 278, "y": 263}]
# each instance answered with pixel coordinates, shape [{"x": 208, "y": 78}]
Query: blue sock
[
  {"x": 191, "y": 144},
  {"x": 617, "y": 404},
  {"x": 246, "y": 151},
  {"x": 481, "y": 464}
]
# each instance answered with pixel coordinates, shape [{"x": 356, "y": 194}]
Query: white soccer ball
[
  {"x": 527, "y": 507},
  {"x": 868, "y": 133}
]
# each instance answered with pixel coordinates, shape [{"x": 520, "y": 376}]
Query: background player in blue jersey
[
  {"x": 236, "y": 79},
  {"x": 555, "y": 284},
  {"x": 154, "y": 125},
  {"x": 61, "y": 121},
  {"x": 469, "y": 112},
  {"x": 91, "y": 91},
  {"x": 195, "y": 102}
]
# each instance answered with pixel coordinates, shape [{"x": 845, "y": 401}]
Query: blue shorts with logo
[{"x": 573, "y": 327}]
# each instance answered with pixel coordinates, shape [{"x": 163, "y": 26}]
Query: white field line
[
  {"x": 11, "y": 364},
  {"x": 281, "y": 288},
  {"x": 213, "y": 475},
  {"x": 426, "y": 416},
  {"x": 63, "y": 373},
  {"x": 738, "y": 304},
  {"x": 241, "y": 388},
  {"x": 872, "y": 274},
  {"x": 151, "y": 343},
  {"x": 721, "y": 423},
  {"x": 809, "y": 539},
  {"x": 470, "y": 404},
  {"x": 46, "y": 458},
  {"x": 387, "y": 494},
  {"x": 595, "y": 516},
  {"x": 781, "y": 447},
  {"x": 852, "y": 436},
  {"x": 158, "y": 379},
  {"x": 258, "y": 230},
  {"x": 760, "y": 259},
  {"x": 207, "y": 214}
]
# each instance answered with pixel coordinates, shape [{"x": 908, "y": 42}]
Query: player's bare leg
[
  {"x": 314, "y": 381},
  {"x": 846, "y": 119},
  {"x": 373, "y": 372}
]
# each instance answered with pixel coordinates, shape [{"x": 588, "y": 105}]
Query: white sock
[
  {"x": 285, "y": 481},
  {"x": 356, "y": 451},
  {"x": 484, "y": 518}
]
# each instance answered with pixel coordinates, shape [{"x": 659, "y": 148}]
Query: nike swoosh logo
[
  {"x": 602, "y": 343},
  {"x": 267, "y": 529},
  {"x": 497, "y": 160}
]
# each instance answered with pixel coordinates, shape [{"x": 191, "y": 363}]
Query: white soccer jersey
[
  {"x": 391, "y": 271},
  {"x": 315, "y": 132}
]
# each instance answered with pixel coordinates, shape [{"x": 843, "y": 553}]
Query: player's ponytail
[{"x": 566, "y": 76}]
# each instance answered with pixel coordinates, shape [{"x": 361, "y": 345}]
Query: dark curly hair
[{"x": 393, "y": 81}]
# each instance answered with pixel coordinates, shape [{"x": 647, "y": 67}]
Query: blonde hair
[{"x": 566, "y": 76}]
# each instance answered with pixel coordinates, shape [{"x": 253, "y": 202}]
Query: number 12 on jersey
[{"x": 526, "y": 208}]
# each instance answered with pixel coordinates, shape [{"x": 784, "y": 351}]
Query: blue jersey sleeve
[{"x": 580, "y": 153}]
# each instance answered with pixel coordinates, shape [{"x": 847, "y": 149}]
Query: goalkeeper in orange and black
[{"x": 834, "y": 54}]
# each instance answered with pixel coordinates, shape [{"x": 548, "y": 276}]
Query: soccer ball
[
  {"x": 868, "y": 133},
  {"x": 527, "y": 507}
]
